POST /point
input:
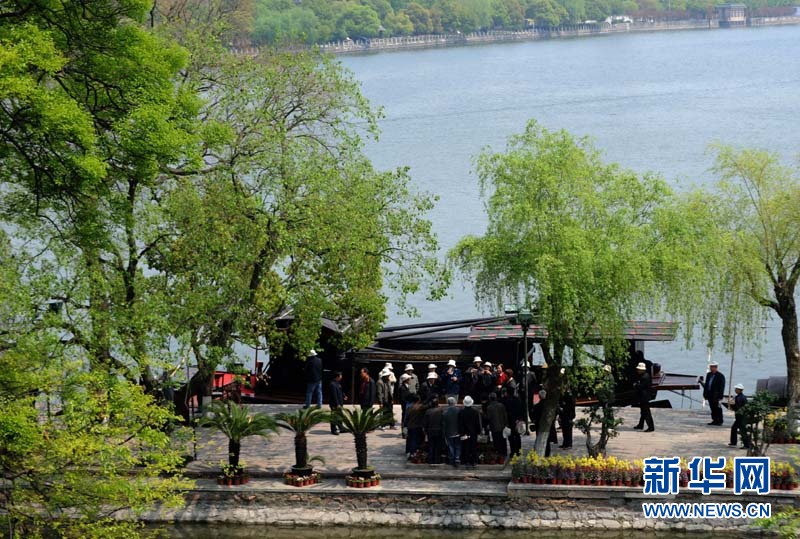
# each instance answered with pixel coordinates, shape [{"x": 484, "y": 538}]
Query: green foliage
[
  {"x": 758, "y": 254},
  {"x": 601, "y": 413},
  {"x": 754, "y": 415},
  {"x": 173, "y": 215},
  {"x": 786, "y": 521},
  {"x": 77, "y": 447},
  {"x": 91, "y": 114},
  {"x": 236, "y": 422},
  {"x": 289, "y": 216},
  {"x": 300, "y": 422},
  {"x": 317, "y": 21},
  {"x": 359, "y": 423},
  {"x": 577, "y": 240}
]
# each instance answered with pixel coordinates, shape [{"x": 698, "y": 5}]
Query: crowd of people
[
  {"x": 493, "y": 409},
  {"x": 493, "y": 406}
]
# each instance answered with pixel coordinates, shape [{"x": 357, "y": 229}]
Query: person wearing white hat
[
  {"x": 313, "y": 379},
  {"x": 486, "y": 382},
  {"x": 451, "y": 382},
  {"x": 429, "y": 389},
  {"x": 739, "y": 424},
  {"x": 713, "y": 391},
  {"x": 413, "y": 381},
  {"x": 469, "y": 425},
  {"x": 644, "y": 392},
  {"x": 392, "y": 378},
  {"x": 471, "y": 376},
  {"x": 385, "y": 390},
  {"x": 477, "y": 359}
]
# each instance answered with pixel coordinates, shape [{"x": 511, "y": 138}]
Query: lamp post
[{"x": 525, "y": 318}]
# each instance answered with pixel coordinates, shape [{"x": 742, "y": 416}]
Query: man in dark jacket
[
  {"x": 643, "y": 393},
  {"x": 486, "y": 382},
  {"x": 451, "y": 383},
  {"x": 566, "y": 415},
  {"x": 366, "y": 392},
  {"x": 451, "y": 433},
  {"x": 739, "y": 424},
  {"x": 429, "y": 388},
  {"x": 516, "y": 420},
  {"x": 432, "y": 424},
  {"x": 471, "y": 377},
  {"x": 713, "y": 389},
  {"x": 469, "y": 425},
  {"x": 336, "y": 400},
  {"x": 510, "y": 384},
  {"x": 313, "y": 378},
  {"x": 415, "y": 418},
  {"x": 497, "y": 417}
]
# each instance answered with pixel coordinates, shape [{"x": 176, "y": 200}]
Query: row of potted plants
[
  {"x": 611, "y": 471},
  {"x": 236, "y": 422},
  {"x": 301, "y": 480},
  {"x": 363, "y": 482},
  {"x": 233, "y": 475},
  {"x": 776, "y": 428},
  {"x": 783, "y": 438},
  {"x": 567, "y": 470},
  {"x": 783, "y": 476}
]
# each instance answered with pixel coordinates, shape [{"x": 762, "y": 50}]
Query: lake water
[{"x": 651, "y": 102}]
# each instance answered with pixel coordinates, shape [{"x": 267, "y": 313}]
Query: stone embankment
[
  {"x": 419, "y": 495},
  {"x": 400, "y": 504}
]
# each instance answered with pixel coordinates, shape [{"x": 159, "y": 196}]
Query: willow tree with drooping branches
[{"x": 586, "y": 245}]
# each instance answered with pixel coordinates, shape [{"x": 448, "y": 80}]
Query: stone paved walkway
[{"x": 683, "y": 433}]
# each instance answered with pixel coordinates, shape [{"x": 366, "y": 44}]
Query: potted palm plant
[
  {"x": 359, "y": 423},
  {"x": 300, "y": 422},
  {"x": 236, "y": 423}
]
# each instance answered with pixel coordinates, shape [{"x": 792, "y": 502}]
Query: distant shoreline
[{"x": 386, "y": 44}]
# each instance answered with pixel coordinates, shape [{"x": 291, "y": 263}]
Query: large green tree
[
  {"x": 577, "y": 240},
  {"x": 77, "y": 447},
  {"x": 755, "y": 209},
  {"x": 192, "y": 197},
  {"x": 284, "y": 215},
  {"x": 89, "y": 114}
]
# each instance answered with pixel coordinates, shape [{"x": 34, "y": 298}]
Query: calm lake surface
[{"x": 651, "y": 102}]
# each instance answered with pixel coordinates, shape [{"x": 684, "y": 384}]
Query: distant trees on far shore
[{"x": 321, "y": 21}]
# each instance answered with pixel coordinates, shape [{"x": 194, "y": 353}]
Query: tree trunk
[
  {"x": 361, "y": 450},
  {"x": 548, "y": 417},
  {"x": 552, "y": 385},
  {"x": 791, "y": 348},
  {"x": 233, "y": 453},
  {"x": 300, "y": 450}
]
